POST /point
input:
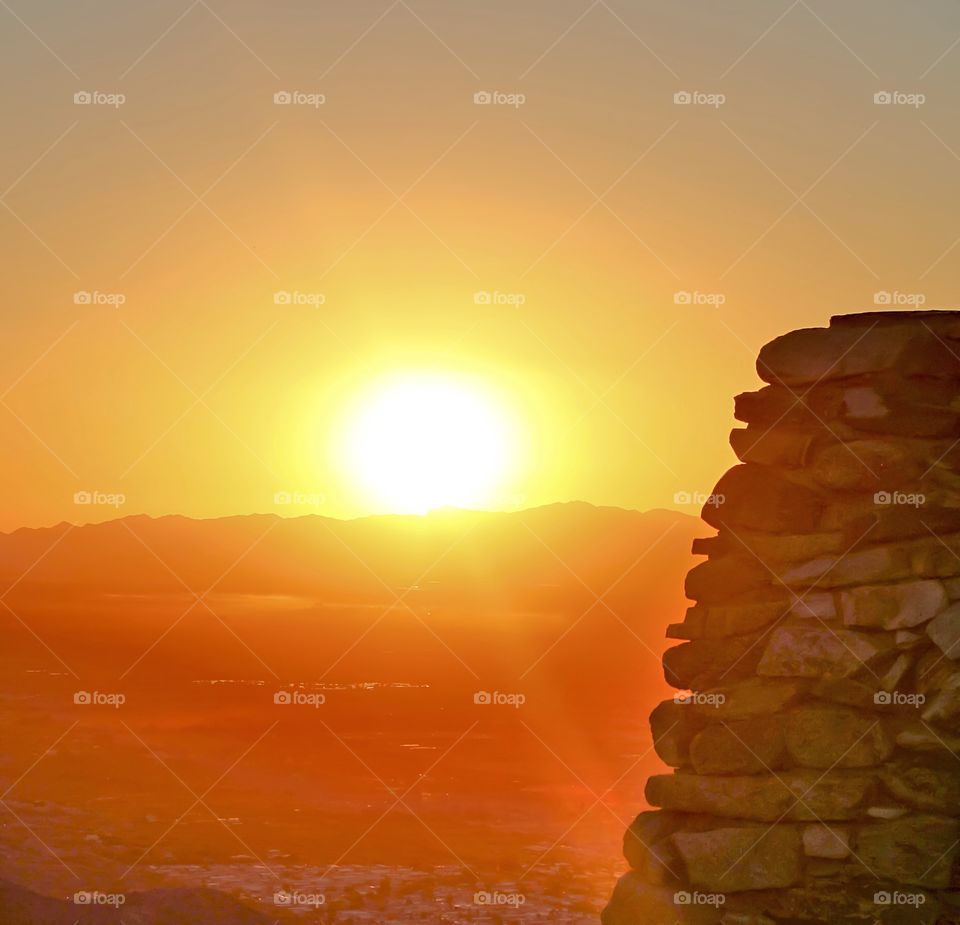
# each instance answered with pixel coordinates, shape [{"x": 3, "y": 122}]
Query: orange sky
[{"x": 398, "y": 199}]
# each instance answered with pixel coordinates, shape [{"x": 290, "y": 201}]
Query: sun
[{"x": 422, "y": 440}]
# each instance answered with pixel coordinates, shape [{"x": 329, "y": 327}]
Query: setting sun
[{"x": 418, "y": 441}]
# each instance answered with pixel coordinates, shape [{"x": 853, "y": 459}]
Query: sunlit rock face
[{"x": 816, "y": 744}]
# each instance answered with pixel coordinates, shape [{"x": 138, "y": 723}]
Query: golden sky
[{"x": 273, "y": 259}]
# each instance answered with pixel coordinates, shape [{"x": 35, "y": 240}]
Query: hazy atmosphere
[
  {"x": 480, "y": 463},
  {"x": 541, "y": 244}
]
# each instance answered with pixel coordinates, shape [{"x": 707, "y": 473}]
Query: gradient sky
[{"x": 398, "y": 199}]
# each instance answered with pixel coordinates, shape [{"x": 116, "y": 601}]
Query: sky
[{"x": 199, "y": 279}]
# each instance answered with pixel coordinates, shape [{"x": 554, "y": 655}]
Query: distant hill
[{"x": 560, "y": 552}]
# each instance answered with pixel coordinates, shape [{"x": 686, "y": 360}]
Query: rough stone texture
[
  {"x": 917, "y": 850},
  {"x": 893, "y": 608},
  {"x": 944, "y": 630},
  {"x": 634, "y": 902},
  {"x": 944, "y": 708},
  {"x": 832, "y": 737},
  {"x": 751, "y": 698},
  {"x": 765, "y": 858},
  {"x": 673, "y": 726},
  {"x": 925, "y": 783},
  {"x": 825, "y": 841},
  {"x": 719, "y": 621},
  {"x": 818, "y": 755},
  {"x": 795, "y": 795},
  {"x": 703, "y": 663},
  {"x": 645, "y": 849},
  {"x": 819, "y": 652},
  {"x": 741, "y": 747}
]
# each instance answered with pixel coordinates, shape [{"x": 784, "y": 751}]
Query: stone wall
[{"x": 817, "y": 776}]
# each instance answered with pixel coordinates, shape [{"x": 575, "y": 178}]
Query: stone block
[
  {"x": 751, "y": 698},
  {"x": 928, "y": 782},
  {"x": 803, "y": 796},
  {"x": 943, "y": 707},
  {"x": 893, "y": 607},
  {"x": 828, "y": 737},
  {"x": 635, "y": 902},
  {"x": 771, "y": 447},
  {"x": 688, "y": 665},
  {"x": 826, "y": 841},
  {"x": 730, "y": 860},
  {"x": 917, "y": 850},
  {"x": 819, "y": 652},
  {"x": 758, "y": 498},
  {"x": 944, "y": 630},
  {"x": 673, "y": 726},
  {"x": 749, "y": 746}
]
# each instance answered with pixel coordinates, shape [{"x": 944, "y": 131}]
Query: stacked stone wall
[{"x": 815, "y": 737}]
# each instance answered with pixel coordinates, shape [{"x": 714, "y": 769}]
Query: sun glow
[{"x": 419, "y": 441}]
